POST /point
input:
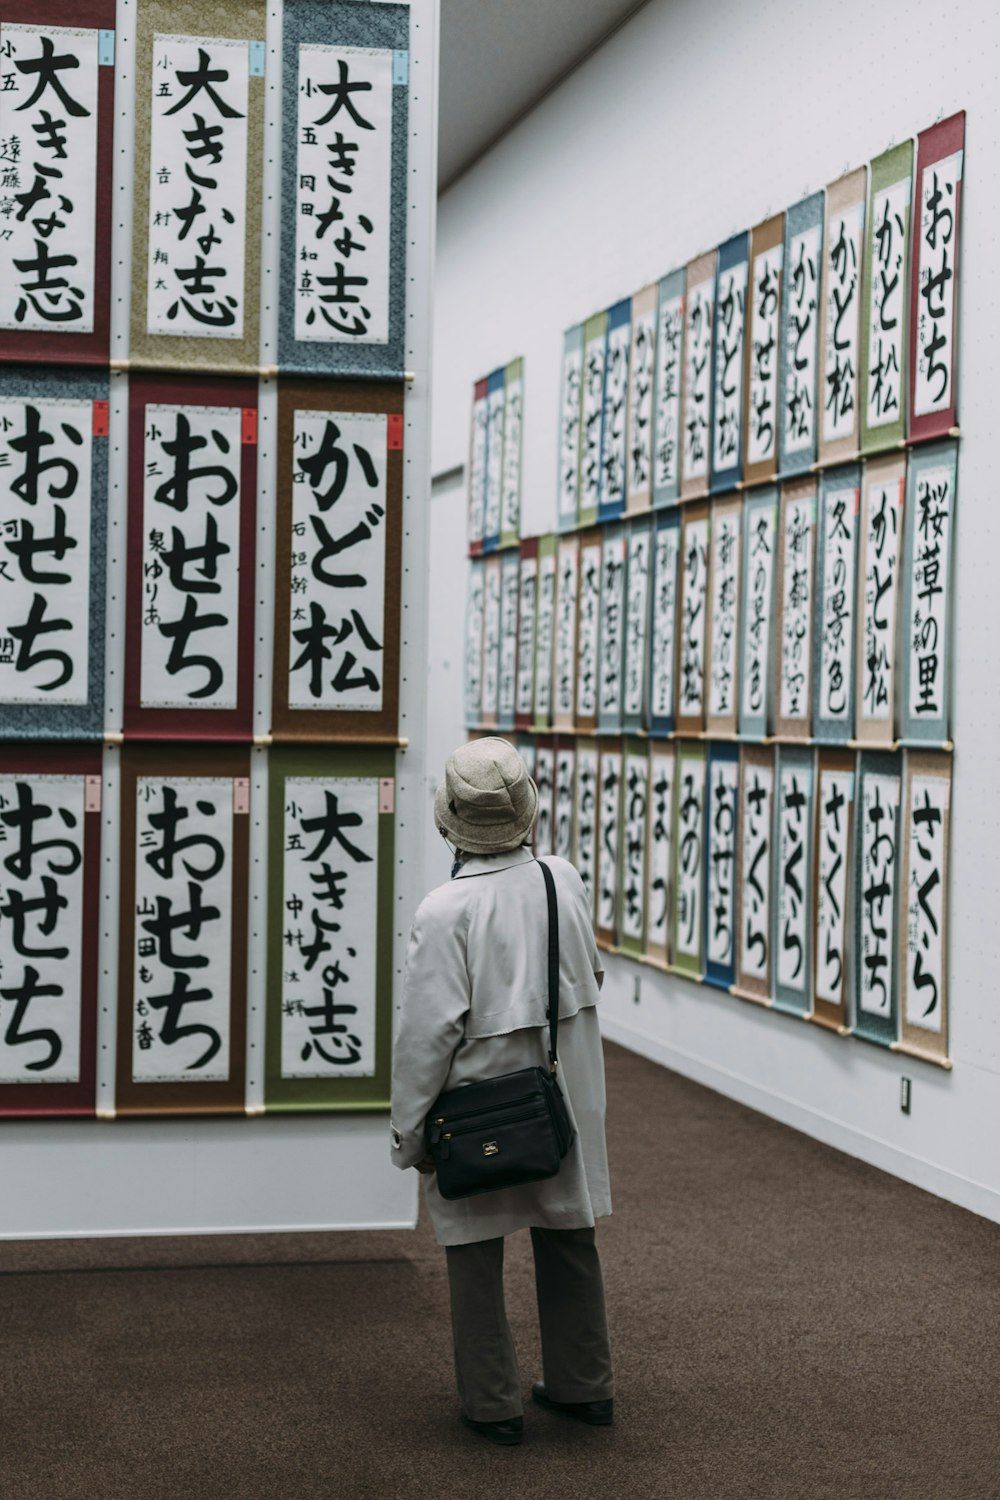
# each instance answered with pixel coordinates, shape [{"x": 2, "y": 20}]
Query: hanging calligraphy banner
[
  {"x": 724, "y": 613},
  {"x": 526, "y": 750},
  {"x": 545, "y": 783},
  {"x": 876, "y": 898},
  {"x": 632, "y": 876},
  {"x": 510, "y": 577},
  {"x": 720, "y": 865},
  {"x": 53, "y": 522},
  {"x": 50, "y": 876},
  {"x": 477, "y": 469},
  {"x": 588, "y": 630},
  {"x": 611, "y": 657},
  {"x": 545, "y": 631},
  {"x": 923, "y": 935},
  {"x": 832, "y": 863},
  {"x": 760, "y": 541},
  {"x": 567, "y": 587},
  {"x": 934, "y": 278},
  {"x": 637, "y": 607},
  {"x": 753, "y": 952},
  {"x": 793, "y": 873},
  {"x": 197, "y": 191},
  {"x": 689, "y": 860},
  {"x": 796, "y": 545},
  {"x": 642, "y": 370},
  {"x": 696, "y": 387},
  {"x": 762, "y": 355},
  {"x": 57, "y": 81},
  {"x": 667, "y": 399},
  {"x": 836, "y": 595},
  {"x": 663, "y": 645},
  {"x": 182, "y": 953},
  {"x": 609, "y": 828},
  {"x": 727, "y": 364},
  {"x": 495, "y": 411},
  {"x": 595, "y": 349},
  {"x": 475, "y": 605},
  {"x": 614, "y": 439},
  {"x": 585, "y": 817},
  {"x": 570, "y": 422},
  {"x": 692, "y": 632},
  {"x": 800, "y": 399},
  {"x": 329, "y": 932},
  {"x": 192, "y": 498},
  {"x": 884, "y": 301},
  {"x": 338, "y": 551},
  {"x": 524, "y": 705},
  {"x": 513, "y": 422},
  {"x": 926, "y": 583},
  {"x": 491, "y": 643},
  {"x": 659, "y": 861},
  {"x": 878, "y": 564},
  {"x": 840, "y": 338},
  {"x": 343, "y": 241},
  {"x": 562, "y": 826}
]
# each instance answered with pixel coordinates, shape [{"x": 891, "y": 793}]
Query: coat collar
[{"x": 491, "y": 864}]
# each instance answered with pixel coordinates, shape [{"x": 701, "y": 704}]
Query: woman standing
[{"x": 475, "y": 999}]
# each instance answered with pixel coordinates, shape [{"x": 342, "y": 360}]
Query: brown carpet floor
[{"x": 789, "y": 1324}]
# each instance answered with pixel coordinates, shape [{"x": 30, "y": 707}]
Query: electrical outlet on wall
[
  {"x": 636, "y": 988},
  {"x": 904, "y": 1095}
]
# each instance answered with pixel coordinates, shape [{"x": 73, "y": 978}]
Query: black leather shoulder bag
[{"x": 499, "y": 1132}]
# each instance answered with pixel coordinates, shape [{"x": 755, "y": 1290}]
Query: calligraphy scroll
[
  {"x": 793, "y": 872},
  {"x": 727, "y": 364},
  {"x": 720, "y": 865},
  {"x": 585, "y": 814},
  {"x": 642, "y": 371},
  {"x": 724, "y": 614},
  {"x": 753, "y": 953},
  {"x": 526, "y": 750},
  {"x": 53, "y": 522},
  {"x": 836, "y": 595},
  {"x": 595, "y": 341},
  {"x": 609, "y": 816},
  {"x": 338, "y": 546},
  {"x": 477, "y": 469},
  {"x": 667, "y": 399},
  {"x": 192, "y": 500},
  {"x": 876, "y": 899},
  {"x": 57, "y": 81},
  {"x": 524, "y": 706},
  {"x": 884, "y": 303},
  {"x": 545, "y": 783},
  {"x": 637, "y": 602},
  {"x": 343, "y": 209},
  {"x": 495, "y": 412},
  {"x": 567, "y": 587},
  {"x": 632, "y": 879},
  {"x": 513, "y": 425},
  {"x": 475, "y": 605},
  {"x": 570, "y": 424},
  {"x": 840, "y": 337},
  {"x": 923, "y": 946},
  {"x": 510, "y": 578},
  {"x": 833, "y": 862},
  {"x": 663, "y": 645},
  {"x": 50, "y": 875},
  {"x": 562, "y": 826},
  {"x": 329, "y": 932},
  {"x": 611, "y": 658},
  {"x": 760, "y": 544},
  {"x": 691, "y": 631},
  {"x": 659, "y": 857},
  {"x": 614, "y": 440},
  {"x": 926, "y": 581},
  {"x": 878, "y": 562},
  {"x": 796, "y": 547},
  {"x": 491, "y": 643},
  {"x": 696, "y": 388},
  {"x": 182, "y": 964},
  {"x": 761, "y": 391},
  {"x": 689, "y": 860},
  {"x": 934, "y": 278},
  {"x": 545, "y": 622},
  {"x": 801, "y": 397},
  {"x": 588, "y": 630}
]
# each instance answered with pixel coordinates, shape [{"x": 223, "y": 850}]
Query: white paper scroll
[
  {"x": 659, "y": 861},
  {"x": 568, "y": 559},
  {"x": 593, "y": 413},
  {"x": 755, "y": 871},
  {"x": 330, "y": 889},
  {"x": 667, "y": 417},
  {"x": 494, "y": 460},
  {"x": 612, "y": 623},
  {"x": 925, "y": 976},
  {"x": 546, "y": 619},
  {"x": 663, "y": 650},
  {"x": 843, "y": 254},
  {"x": 527, "y": 587},
  {"x": 877, "y": 895},
  {"x": 41, "y": 927},
  {"x": 882, "y": 523},
  {"x": 607, "y": 854},
  {"x": 45, "y": 523},
  {"x": 509, "y": 586},
  {"x": 838, "y": 519},
  {"x": 585, "y": 819},
  {"x": 694, "y": 589},
  {"x": 833, "y": 824},
  {"x": 587, "y": 630},
  {"x": 760, "y": 542},
  {"x": 636, "y": 621},
  {"x": 727, "y": 405},
  {"x": 795, "y": 685},
  {"x": 723, "y": 795},
  {"x": 640, "y": 402},
  {"x": 888, "y": 311},
  {"x": 181, "y": 957},
  {"x": 491, "y": 641},
  {"x": 698, "y": 376},
  {"x": 615, "y": 435},
  {"x": 48, "y": 177},
  {"x": 510, "y": 504},
  {"x": 765, "y": 310},
  {"x": 477, "y": 470},
  {"x": 562, "y": 832},
  {"x": 690, "y": 853},
  {"x": 793, "y": 876},
  {"x": 569, "y": 431},
  {"x": 474, "y": 609},
  {"x": 545, "y": 782},
  {"x": 726, "y": 526},
  {"x": 342, "y": 233},
  {"x": 635, "y": 792},
  {"x": 928, "y": 627},
  {"x": 803, "y": 308},
  {"x": 934, "y": 335}
]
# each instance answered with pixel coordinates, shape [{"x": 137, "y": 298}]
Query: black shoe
[
  {"x": 505, "y": 1433},
  {"x": 594, "y": 1413}
]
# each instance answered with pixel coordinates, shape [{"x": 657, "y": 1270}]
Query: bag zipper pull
[{"x": 445, "y": 1147}]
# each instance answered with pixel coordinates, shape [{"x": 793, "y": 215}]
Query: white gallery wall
[{"x": 696, "y": 121}]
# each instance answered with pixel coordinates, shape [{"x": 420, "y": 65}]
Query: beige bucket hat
[{"x": 487, "y": 801}]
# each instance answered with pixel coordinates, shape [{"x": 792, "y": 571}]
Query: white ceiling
[{"x": 500, "y": 57}]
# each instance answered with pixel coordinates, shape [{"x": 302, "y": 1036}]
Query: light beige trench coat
[{"x": 475, "y": 999}]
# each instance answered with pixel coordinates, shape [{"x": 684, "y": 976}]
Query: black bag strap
[{"x": 550, "y": 894}]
